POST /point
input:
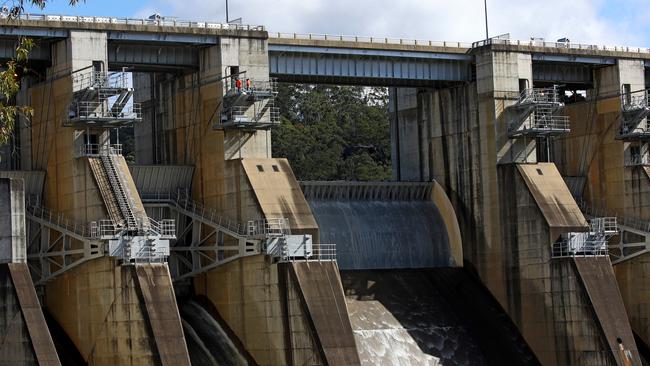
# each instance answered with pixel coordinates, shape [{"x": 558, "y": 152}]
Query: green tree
[
  {"x": 13, "y": 70},
  {"x": 334, "y": 132}
]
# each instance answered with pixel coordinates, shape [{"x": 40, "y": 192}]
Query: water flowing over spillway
[
  {"x": 406, "y": 303},
  {"x": 384, "y": 229}
]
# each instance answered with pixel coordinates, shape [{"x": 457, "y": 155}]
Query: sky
[{"x": 613, "y": 22}]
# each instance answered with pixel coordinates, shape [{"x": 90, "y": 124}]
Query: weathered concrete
[
  {"x": 26, "y": 339},
  {"x": 320, "y": 290},
  {"x": 598, "y": 280},
  {"x": 13, "y": 241},
  {"x": 155, "y": 285}
]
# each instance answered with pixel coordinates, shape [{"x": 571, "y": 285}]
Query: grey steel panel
[
  {"x": 273, "y": 48},
  {"x": 163, "y": 37},
  {"x": 34, "y": 32},
  {"x": 361, "y": 68},
  {"x": 34, "y": 179},
  {"x": 161, "y": 178},
  {"x": 562, "y": 73},
  {"x": 8, "y": 50},
  {"x": 574, "y": 59},
  {"x": 153, "y": 55}
]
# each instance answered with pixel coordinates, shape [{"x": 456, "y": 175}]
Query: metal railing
[
  {"x": 562, "y": 45},
  {"x": 634, "y": 101},
  {"x": 579, "y": 247},
  {"x": 268, "y": 227},
  {"x": 318, "y": 253},
  {"x": 539, "y": 95},
  {"x": 252, "y": 115},
  {"x": 166, "y": 228},
  {"x": 60, "y": 220},
  {"x": 159, "y": 22},
  {"x": 256, "y": 86},
  {"x": 102, "y": 110},
  {"x": 540, "y": 124},
  {"x": 366, "y": 39},
  {"x": 604, "y": 225},
  {"x": 416, "y": 42},
  {"x": 100, "y": 79},
  {"x": 631, "y": 222},
  {"x": 637, "y": 160},
  {"x": 93, "y": 150},
  {"x": 205, "y": 213}
]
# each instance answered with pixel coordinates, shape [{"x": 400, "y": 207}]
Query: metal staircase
[
  {"x": 249, "y": 107},
  {"x": 536, "y": 114},
  {"x": 635, "y": 109},
  {"x": 123, "y": 201}
]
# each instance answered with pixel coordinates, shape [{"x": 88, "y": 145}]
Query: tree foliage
[
  {"x": 12, "y": 71},
  {"x": 334, "y": 132}
]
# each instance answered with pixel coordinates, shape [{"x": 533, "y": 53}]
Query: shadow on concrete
[{"x": 65, "y": 348}]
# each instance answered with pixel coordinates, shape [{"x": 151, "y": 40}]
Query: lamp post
[
  {"x": 227, "y": 20},
  {"x": 486, "y": 18}
]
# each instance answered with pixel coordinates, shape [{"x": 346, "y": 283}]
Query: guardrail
[
  {"x": 634, "y": 101},
  {"x": 637, "y": 160},
  {"x": 159, "y": 22},
  {"x": 581, "y": 248},
  {"x": 166, "y": 228},
  {"x": 100, "y": 79},
  {"x": 561, "y": 45},
  {"x": 268, "y": 227},
  {"x": 365, "y": 39},
  {"x": 59, "y": 220},
  {"x": 93, "y": 150},
  {"x": 102, "y": 110},
  {"x": 417, "y": 42},
  {"x": 634, "y": 223},
  {"x": 539, "y": 95},
  {"x": 197, "y": 209}
]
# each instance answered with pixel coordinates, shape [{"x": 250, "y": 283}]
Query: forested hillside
[{"x": 334, "y": 132}]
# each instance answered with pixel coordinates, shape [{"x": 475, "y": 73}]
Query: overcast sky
[{"x": 622, "y": 22}]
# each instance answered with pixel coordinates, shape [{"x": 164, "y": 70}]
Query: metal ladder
[{"x": 119, "y": 191}]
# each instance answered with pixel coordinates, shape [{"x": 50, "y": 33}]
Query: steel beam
[{"x": 366, "y": 69}]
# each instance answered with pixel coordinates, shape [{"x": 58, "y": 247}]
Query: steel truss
[
  {"x": 204, "y": 239},
  {"x": 56, "y": 246}
]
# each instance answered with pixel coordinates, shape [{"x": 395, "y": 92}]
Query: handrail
[
  {"x": 367, "y": 39},
  {"x": 59, "y": 220},
  {"x": 559, "y": 45},
  {"x": 632, "y": 222},
  {"x": 198, "y": 209},
  {"x": 160, "y": 22}
]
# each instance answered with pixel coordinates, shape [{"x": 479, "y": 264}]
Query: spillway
[
  {"x": 407, "y": 301},
  {"x": 380, "y": 225}
]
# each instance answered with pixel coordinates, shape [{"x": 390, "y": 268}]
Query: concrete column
[{"x": 13, "y": 240}]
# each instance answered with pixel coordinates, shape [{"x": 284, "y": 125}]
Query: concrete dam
[{"x": 514, "y": 230}]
